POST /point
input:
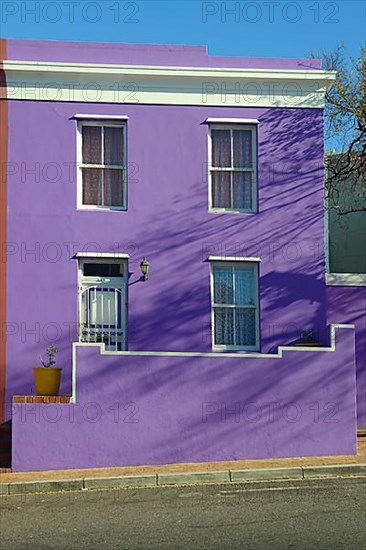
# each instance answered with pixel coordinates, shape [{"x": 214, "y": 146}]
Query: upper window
[
  {"x": 235, "y": 305},
  {"x": 103, "y": 165},
  {"x": 233, "y": 163}
]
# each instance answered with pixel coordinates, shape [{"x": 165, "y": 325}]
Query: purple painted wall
[
  {"x": 144, "y": 54},
  {"x": 135, "y": 410},
  {"x": 348, "y": 305},
  {"x": 167, "y": 218},
  {"x": 168, "y": 221}
]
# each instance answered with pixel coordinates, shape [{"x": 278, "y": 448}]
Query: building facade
[{"x": 210, "y": 168}]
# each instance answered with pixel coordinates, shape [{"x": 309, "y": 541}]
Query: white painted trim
[
  {"x": 73, "y": 370},
  {"x": 114, "y": 282},
  {"x": 345, "y": 279},
  {"x": 233, "y": 259},
  {"x": 254, "y": 348},
  {"x": 211, "y": 120},
  {"x": 326, "y": 234},
  {"x": 222, "y": 355},
  {"x": 109, "y": 255},
  {"x": 154, "y": 70},
  {"x": 81, "y": 116},
  {"x": 236, "y": 212},
  {"x": 204, "y": 86},
  {"x": 253, "y": 129},
  {"x": 103, "y": 122},
  {"x": 249, "y": 355},
  {"x": 91, "y": 208}
]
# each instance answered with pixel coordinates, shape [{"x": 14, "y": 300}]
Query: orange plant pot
[{"x": 47, "y": 380}]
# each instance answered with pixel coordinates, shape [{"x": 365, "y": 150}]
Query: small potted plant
[
  {"x": 47, "y": 378},
  {"x": 308, "y": 339}
]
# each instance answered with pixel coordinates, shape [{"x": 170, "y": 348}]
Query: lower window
[{"x": 235, "y": 305}]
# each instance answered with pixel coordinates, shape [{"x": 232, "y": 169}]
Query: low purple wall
[
  {"x": 348, "y": 305},
  {"x": 135, "y": 410}
]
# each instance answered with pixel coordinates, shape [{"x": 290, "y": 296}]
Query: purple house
[{"x": 162, "y": 224}]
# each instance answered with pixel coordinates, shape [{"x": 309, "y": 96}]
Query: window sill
[
  {"x": 345, "y": 279},
  {"x": 102, "y": 209},
  {"x": 227, "y": 211},
  {"x": 235, "y": 348}
]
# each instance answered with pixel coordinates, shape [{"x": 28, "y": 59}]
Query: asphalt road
[{"x": 304, "y": 516}]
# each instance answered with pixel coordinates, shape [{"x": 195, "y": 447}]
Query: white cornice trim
[
  {"x": 212, "y": 120},
  {"x": 156, "y": 70},
  {"x": 346, "y": 279},
  {"x": 108, "y": 83},
  {"x": 233, "y": 259}
]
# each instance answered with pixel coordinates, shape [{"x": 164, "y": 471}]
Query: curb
[
  {"x": 123, "y": 482},
  {"x": 194, "y": 478},
  {"x": 267, "y": 474},
  {"x": 316, "y": 472},
  {"x": 54, "y": 486},
  {"x": 228, "y": 477}
]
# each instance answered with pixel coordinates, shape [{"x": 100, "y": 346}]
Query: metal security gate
[{"x": 101, "y": 317}]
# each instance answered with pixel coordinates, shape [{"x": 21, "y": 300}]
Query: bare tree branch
[{"x": 345, "y": 126}]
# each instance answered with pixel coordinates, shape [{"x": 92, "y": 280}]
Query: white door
[{"x": 102, "y": 304}]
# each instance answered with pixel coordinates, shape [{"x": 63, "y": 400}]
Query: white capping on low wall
[{"x": 222, "y": 355}]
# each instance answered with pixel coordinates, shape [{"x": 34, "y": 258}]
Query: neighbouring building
[
  {"x": 211, "y": 168},
  {"x": 346, "y": 266}
]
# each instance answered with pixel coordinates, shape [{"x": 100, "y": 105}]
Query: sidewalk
[{"x": 298, "y": 468}]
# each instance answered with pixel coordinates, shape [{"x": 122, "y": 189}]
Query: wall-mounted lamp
[{"x": 144, "y": 266}]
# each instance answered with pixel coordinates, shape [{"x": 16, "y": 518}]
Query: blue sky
[{"x": 251, "y": 28}]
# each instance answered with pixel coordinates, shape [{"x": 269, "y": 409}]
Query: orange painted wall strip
[{"x": 3, "y": 222}]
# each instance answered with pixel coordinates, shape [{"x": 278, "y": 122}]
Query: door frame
[{"x": 116, "y": 283}]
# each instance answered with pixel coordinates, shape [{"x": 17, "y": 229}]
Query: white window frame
[
  {"x": 224, "y": 263},
  {"x": 237, "y": 126},
  {"x": 120, "y": 282},
  {"x": 104, "y": 122}
]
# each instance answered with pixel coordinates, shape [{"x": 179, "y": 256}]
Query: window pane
[
  {"x": 223, "y": 285},
  {"x": 221, "y": 190},
  {"x": 242, "y": 148},
  {"x": 113, "y": 145},
  {"x": 224, "y": 326},
  {"x": 92, "y": 144},
  {"x": 113, "y": 187},
  {"x": 103, "y": 270},
  {"x": 221, "y": 148},
  {"x": 242, "y": 190},
  {"x": 245, "y": 327},
  {"x": 244, "y": 286},
  {"x": 92, "y": 186}
]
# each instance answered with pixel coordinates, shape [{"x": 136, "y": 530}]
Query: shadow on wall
[
  {"x": 287, "y": 233},
  {"x": 348, "y": 305},
  {"x": 172, "y": 310},
  {"x": 179, "y": 409}
]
